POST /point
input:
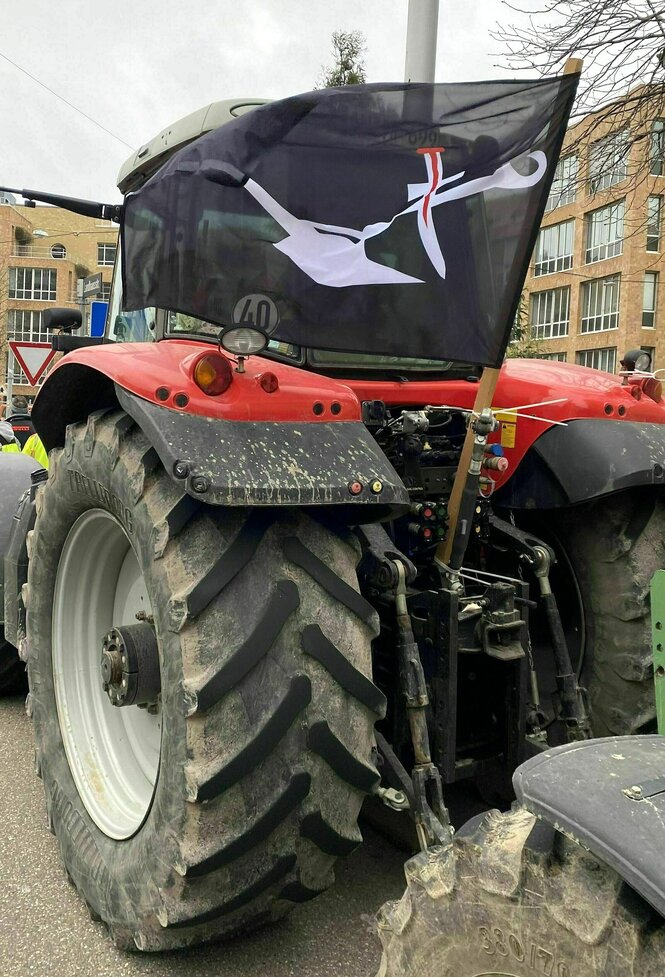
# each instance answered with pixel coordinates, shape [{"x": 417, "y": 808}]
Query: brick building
[
  {"x": 594, "y": 288},
  {"x": 44, "y": 252}
]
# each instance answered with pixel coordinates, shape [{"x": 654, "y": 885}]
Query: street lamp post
[{"x": 421, "y": 30}]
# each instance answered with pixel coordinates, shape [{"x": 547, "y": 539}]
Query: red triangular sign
[{"x": 33, "y": 358}]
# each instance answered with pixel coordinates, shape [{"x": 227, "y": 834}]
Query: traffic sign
[
  {"x": 98, "y": 318},
  {"x": 33, "y": 358},
  {"x": 92, "y": 285}
]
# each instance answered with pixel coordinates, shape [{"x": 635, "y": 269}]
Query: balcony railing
[{"x": 38, "y": 251}]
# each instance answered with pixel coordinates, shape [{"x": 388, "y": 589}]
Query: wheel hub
[{"x": 130, "y": 665}]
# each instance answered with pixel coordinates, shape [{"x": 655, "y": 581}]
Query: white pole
[
  {"x": 421, "y": 30},
  {"x": 10, "y": 380}
]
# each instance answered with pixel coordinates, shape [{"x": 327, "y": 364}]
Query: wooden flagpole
[{"x": 484, "y": 397}]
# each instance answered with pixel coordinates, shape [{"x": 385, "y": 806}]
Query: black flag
[{"x": 393, "y": 219}]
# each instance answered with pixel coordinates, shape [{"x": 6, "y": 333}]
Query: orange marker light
[{"x": 213, "y": 374}]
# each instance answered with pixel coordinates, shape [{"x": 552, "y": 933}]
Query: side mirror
[{"x": 65, "y": 319}]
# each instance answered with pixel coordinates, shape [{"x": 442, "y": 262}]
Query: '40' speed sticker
[{"x": 256, "y": 311}]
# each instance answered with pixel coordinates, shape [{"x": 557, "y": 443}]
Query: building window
[
  {"x": 564, "y": 185},
  {"x": 557, "y": 357},
  {"x": 598, "y": 359},
  {"x": 657, "y": 148},
  {"x": 32, "y": 283},
  {"x": 651, "y": 350},
  {"x": 600, "y": 304},
  {"x": 106, "y": 291},
  {"x": 554, "y": 248},
  {"x": 550, "y": 313},
  {"x": 106, "y": 254},
  {"x": 58, "y": 251},
  {"x": 654, "y": 205},
  {"x": 25, "y": 326},
  {"x": 649, "y": 299},
  {"x": 608, "y": 161},
  {"x": 604, "y": 232}
]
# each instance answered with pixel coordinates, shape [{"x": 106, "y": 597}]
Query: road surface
[{"x": 45, "y": 929}]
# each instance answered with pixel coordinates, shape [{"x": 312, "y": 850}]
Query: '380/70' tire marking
[{"x": 501, "y": 943}]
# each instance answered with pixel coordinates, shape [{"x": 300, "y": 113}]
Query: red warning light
[{"x": 269, "y": 382}]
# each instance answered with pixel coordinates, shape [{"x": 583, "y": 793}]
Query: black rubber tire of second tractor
[{"x": 513, "y": 898}]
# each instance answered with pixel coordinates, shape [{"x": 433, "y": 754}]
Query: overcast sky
[{"x": 135, "y": 66}]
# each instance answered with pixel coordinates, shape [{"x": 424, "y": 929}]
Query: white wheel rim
[{"x": 113, "y": 752}]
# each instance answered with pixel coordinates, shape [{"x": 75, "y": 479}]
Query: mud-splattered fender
[
  {"x": 584, "y": 460},
  {"x": 306, "y": 446},
  {"x": 609, "y": 796},
  {"x": 241, "y": 463}
]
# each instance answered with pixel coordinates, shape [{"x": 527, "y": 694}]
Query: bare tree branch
[
  {"x": 621, "y": 41},
  {"x": 622, "y": 88}
]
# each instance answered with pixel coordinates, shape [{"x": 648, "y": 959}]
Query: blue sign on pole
[{"x": 97, "y": 317}]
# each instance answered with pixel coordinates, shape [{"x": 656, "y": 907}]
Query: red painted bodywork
[
  {"x": 143, "y": 368},
  {"x": 585, "y": 393}
]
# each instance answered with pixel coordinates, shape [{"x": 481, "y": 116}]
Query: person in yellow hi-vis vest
[
  {"x": 34, "y": 447},
  {"x": 7, "y": 440}
]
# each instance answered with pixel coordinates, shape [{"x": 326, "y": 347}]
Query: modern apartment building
[
  {"x": 594, "y": 288},
  {"x": 44, "y": 254}
]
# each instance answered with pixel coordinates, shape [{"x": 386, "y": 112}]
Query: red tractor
[{"x": 238, "y": 621}]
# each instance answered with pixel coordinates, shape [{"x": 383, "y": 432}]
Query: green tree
[
  {"x": 22, "y": 236},
  {"x": 521, "y": 344},
  {"x": 349, "y": 64}
]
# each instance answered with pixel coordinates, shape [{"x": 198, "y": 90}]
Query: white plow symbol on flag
[{"x": 334, "y": 255}]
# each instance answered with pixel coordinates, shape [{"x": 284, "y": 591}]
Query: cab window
[{"x": 123, "y": 326}]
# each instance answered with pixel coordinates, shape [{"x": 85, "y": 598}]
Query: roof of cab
[{"x": 149, "y": 157}]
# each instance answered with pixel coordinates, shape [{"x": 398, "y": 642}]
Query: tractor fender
[
  {"x": 234, "y": 455},
  {"x": 15, "y": 477},
  {"x": 608, "y": 795},
  {"x": 586, "y": 459},
  {"x": 271, "y": 462}
]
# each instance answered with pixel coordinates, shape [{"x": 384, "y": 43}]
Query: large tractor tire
[
  {"x": 512, "y": 898},
  {"x": 611, "y": 548},
  {"x": 13, "y": 680},
  {"x": 228, "y": 799}
]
